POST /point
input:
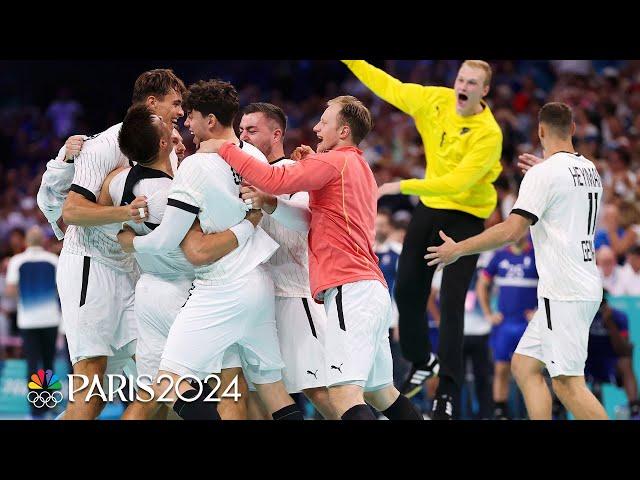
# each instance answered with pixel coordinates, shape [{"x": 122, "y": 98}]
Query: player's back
[
  {"x": 207, "y": 180},
  {"x": 100, "y": 155},
  {"x": 569, "y": 191},
  {"x": 155, "y": 185}
]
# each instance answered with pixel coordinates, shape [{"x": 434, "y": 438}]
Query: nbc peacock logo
[{"x": 44, "y": 389}]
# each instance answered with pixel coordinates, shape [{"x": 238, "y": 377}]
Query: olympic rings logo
[{"x": 44, "y": 398}]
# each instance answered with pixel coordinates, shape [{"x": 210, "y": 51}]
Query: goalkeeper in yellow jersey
[{"x": 463, "y": 144}]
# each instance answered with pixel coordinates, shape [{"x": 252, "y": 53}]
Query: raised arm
[
  {"x": 56, "y": 181},
  {"x": 408, "y": 97}
]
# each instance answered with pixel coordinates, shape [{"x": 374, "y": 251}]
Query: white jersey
[
  {"x": 34, "y": 273},
  {"x": 155, "y": 185},
  {"x": 100, "y": 155},
  {"x": 289, "y": 266},
  {"x": 562, "y": 197},
  {"x": 208, "y": 186}
]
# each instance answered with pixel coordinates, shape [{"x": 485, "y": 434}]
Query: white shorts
[
  {"x": 357, "y": 340},
  {"x": 120, "y": 362},
  {"x": 97, "y": 306},
  {"x": 558, "y": 335},
  {"x": 301, "y": 331},
  {"x": 158, "y": 302},
  {"x": 216, "y": 317}
]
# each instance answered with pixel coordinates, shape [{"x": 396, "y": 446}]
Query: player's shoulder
[
  {"x": 118, "y": 176},
  {"x": 542, "y": 169},
  {"x": 253, "y": 151},
  {"x": 489, "y": 128},
  {"x": 17, "y": 259},
  {"x": 283, "y": 162},
  {"x": 105, "y": 142},
  {"x": 200, "y": 163},
  {"x": 105, "y": 137},
  {"x": 446, "y": 93},
  {"x": 192, "y": 162}
]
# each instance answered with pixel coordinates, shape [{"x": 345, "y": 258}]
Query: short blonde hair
[
  {"x": 482, "y": 65},
  {"x": 354, "y": 114}
]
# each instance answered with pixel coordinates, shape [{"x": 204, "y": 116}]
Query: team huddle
[
  {"x": 253, "y": 275},
  {"x": 199, "y": 283}
]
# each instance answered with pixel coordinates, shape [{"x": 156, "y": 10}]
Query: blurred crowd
[{"x": 40, "y": 111}]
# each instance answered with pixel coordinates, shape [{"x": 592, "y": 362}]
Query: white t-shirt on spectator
[
  {"x": 34, "y": 272},
  {"x": 613, "y": 283},
  {"x": 629, "y": 281}
]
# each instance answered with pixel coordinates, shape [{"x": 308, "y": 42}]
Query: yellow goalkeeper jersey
[{"x": 462, "y": 153}]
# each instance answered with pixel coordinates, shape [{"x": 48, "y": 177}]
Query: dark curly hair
[
  {"x": 215, "y": 97},
  {"x": 139, "y": 138}
]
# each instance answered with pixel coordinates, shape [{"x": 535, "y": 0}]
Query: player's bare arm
[
  {"x": 507, "y": 232},
  {"x": 105, "y": 197},
  {"x": 77, "y": 210},
  {"x": 483, "y": 287},
  {"x": 201, "y": 249}
]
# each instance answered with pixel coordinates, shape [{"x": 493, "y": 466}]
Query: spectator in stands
[
  {"x": 613, "y": 232},
  {"x": 630, "y": 273},
  {"x": 610, "y": 270},
  {"x": 610, "y": 354},
  {"x": 63, "y": 112},
  {"x": 31, "y": 277}
]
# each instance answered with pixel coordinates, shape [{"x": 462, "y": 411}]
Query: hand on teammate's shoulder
[
  {"x": 300, "y": 152},
  {"x": 527, "y": 160}
]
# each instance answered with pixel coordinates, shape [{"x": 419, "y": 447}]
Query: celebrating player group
[{"x": 227, "y": 280}]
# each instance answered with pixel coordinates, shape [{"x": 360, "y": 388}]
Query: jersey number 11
[{"x": 593, "y": 210}]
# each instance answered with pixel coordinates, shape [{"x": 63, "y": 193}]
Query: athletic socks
[
  {"x": 402, "y": 409},
  {"x": 290, "y": 412},
  {"x": 359, "y": 412},
  {"x": 197, "y": 409}
]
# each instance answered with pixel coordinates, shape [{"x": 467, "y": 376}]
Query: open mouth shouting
[{"x": 462, "y": 100}]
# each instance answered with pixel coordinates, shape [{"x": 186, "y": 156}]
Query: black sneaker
[
  {"x": 442, "y": 408},
  {"x": 419, "y": 373}
]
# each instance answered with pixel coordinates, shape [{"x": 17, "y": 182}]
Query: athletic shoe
[
  {"x": 442, "y": 408},
  {"x": 419, "y": 373}
]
